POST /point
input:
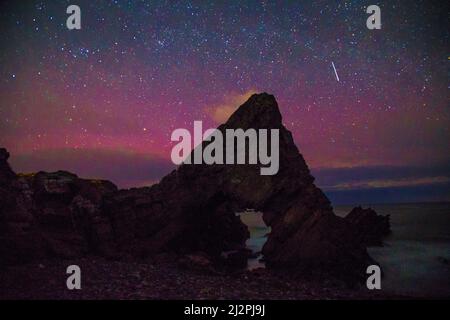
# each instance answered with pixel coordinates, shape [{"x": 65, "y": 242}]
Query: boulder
[{"x": 370, "y": 228}]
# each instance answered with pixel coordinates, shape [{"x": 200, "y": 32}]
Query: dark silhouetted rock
[
  {"x": 7, "y": 176},
  {"x": 444, "y": 261},
  {"x": 193, "y": 209},
  {"x": 6, "y": 173},
  {"x": 236, "y": 259},
  {"x": 55, "y": 214},
  {"x": 7, "y": 191},
  {"x": 19, "y": 241},
  {"x": 369, "y": 227}
]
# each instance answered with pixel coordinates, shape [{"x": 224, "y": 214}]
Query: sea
[{"x": 415, "y": 258}]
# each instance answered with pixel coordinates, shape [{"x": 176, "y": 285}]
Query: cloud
[
  {"x": 384, "y": 184},
  {"x": 221, "y": 112},
  {"x": 358, "y": 185},
  {"x": 419, "y": 193},
  {"x": 380, "y": 176}
]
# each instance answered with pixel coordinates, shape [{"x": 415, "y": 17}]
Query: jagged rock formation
[
  {"x": 369, "y": 227},
  {"x": 15, "y": 237},
  {"x": 51, "y": 214},
  {"x": 193, "y": 210}
]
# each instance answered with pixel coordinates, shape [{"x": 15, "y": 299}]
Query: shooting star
[{"x": 335, "y": 72}]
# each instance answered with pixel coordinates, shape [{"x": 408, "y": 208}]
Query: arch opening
[{"x": 259, "y": 232}]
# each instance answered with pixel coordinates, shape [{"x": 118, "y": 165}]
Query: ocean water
[
  {"x": 258, "y": 236},
  {"x": 415, "y": 257}
]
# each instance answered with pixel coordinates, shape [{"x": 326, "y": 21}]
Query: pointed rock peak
[
  {"x": 6, "y": 173},
  {"x": 4, "y": 154},
  {"x": 259, "y": 111}
]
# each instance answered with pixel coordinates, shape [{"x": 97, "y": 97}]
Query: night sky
[{"x": 103, "y": 101}]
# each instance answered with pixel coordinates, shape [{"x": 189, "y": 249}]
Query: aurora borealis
[{"x": 103, "y": 101}]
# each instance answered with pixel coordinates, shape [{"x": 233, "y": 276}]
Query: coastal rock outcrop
[
  {"x": 369, "y": 227},
  {"x": 192, "y": 210},
  {"x": 52, "y": 215},
  {"x": 16, "y": 234}
]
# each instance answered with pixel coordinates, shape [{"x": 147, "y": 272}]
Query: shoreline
[{"x": 103, "y": 279}]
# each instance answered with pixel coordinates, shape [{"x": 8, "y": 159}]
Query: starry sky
[{"x": 103, "y": 101}]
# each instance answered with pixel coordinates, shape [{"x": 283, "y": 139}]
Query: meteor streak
[{"x": 335, "y": 72}]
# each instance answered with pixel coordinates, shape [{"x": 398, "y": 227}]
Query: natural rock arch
[
  {"x": 197, "y": 205},
  {"x": 192, "y": 209}
]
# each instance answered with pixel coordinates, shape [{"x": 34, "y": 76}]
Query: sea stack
[{"x": 192, "y": 209}]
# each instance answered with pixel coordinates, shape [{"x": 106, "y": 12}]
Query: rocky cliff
[
  {"x": 51, "y": 215},
  {"x": 191, "y": 210}
]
